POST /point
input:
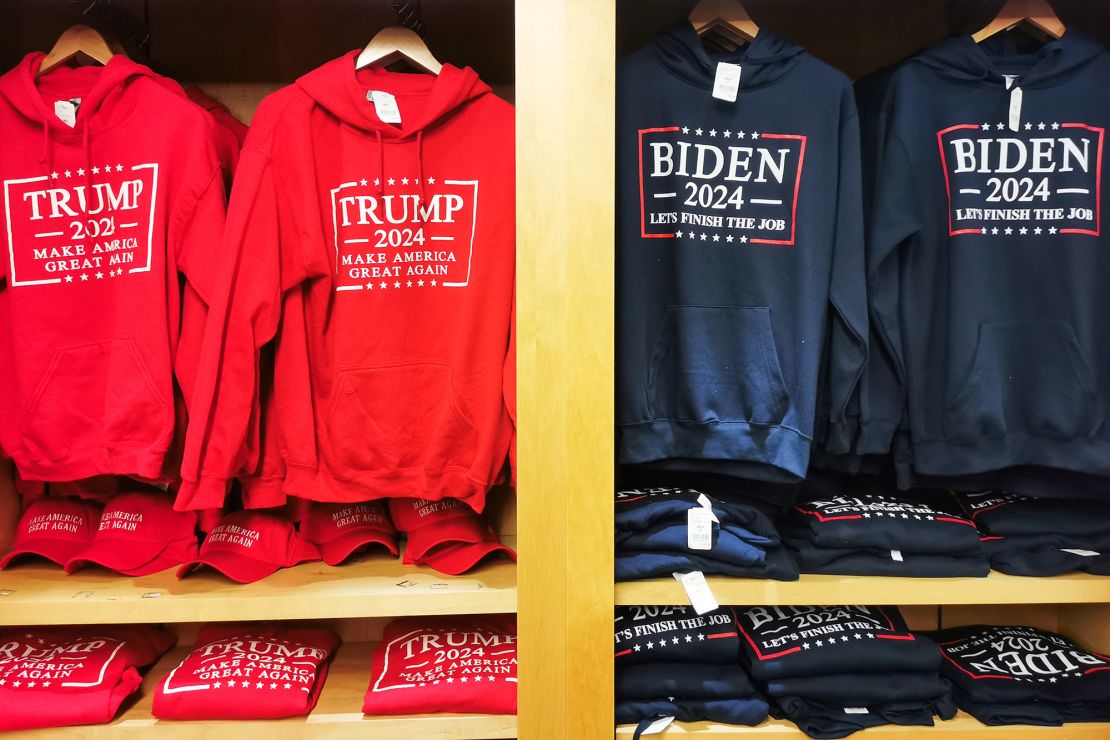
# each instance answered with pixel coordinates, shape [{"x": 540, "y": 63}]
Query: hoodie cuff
[
  {"x": 839, "y": 436},
  {"x": 206, "y": 493},
  {"x": 876, "y": 437}
]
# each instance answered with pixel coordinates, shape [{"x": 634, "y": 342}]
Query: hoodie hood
[
  {"x": 424, "y": 99},
  {"x": 961, "y": 59},
  {"x": 765, "y": 61}
]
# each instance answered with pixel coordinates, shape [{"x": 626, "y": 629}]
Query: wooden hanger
[
  {"x": 394, "y": 43},
  {"x": 1037, "y": 13},
  {"x": 77, "y": 40},
  {"x": 727, "y": 17}
]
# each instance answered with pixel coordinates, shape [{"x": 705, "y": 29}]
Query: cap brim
[
  {"x": 122, "y": 556},
  {"x": 457, "y": 530},
  {"x": 53, "y": 550},
  {"x": 235, "y": 567},
  {"x": 342, "y": 547},
  {"x": 456, "y": 558}
]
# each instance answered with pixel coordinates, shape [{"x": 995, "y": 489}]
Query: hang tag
[
  {"x": 385, "y": 105},
  {"x": 1081, "y": 553},
  {"x": 699, "y": 529},
  {"x": 657, "y": 726},
  {"x": 1015, "y": 108},
  {"x": 697, "y": 590},
  {"x": 66, "y": 111},
  {"x": 726, "y": 83},
  {"x": 1010, "y": 79},
  {"x": 896, "y": 556},
  {"x": 706, "y": 504},
  {"x": 856, "y": 710}
]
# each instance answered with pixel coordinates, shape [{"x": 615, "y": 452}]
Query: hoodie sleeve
[
  {"x": 509, "y": 386},
  {"x": 847, "y": 347},
  {"x": 243, "y": 317}
]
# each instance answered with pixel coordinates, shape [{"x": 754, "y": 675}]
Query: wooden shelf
[
  {"x": 997, "y": 588},
  {"x": 337, "y": 715},
  {"x": 962, "y": 726},
  {"x": 376, "y": 587}
]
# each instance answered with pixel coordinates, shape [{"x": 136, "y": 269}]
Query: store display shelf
[
  {"x": 337, "y": 715},
  {"x": 376, "y": 587},
  {"x": 997, "y": 588},
  {"x": 961, "y": 726}
]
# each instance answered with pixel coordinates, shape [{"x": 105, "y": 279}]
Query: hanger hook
[{"x": 409, "y": 15}]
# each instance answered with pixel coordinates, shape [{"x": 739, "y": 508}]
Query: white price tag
[
  {"x": 385, "y": 105},
  {"x": 726, "y": 83},
  {"x": 658, "y": 726},
  {"x": 697, "y": 590},
  {"x": 1015, "y": 108},
  {"x": 896, "y": 556},
  {"x": 856, "y": 710},
  {"x": 699, "y": 529},
  {"x": 66, "y": 111},
  {"x": 1081, "y": 553}
]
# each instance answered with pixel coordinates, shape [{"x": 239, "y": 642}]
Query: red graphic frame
[
  {"x": 797, "y": 186},
  {"x": 640, "y": 156}
]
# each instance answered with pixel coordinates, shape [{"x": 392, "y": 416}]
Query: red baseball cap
[
  {"x": 247, "y": 546},
  {"x": 446, "y": 534},
  {"x": 54, "y": 528},
  {"x": 339, "y": 530},
  {"x": 140, "y": 534}
]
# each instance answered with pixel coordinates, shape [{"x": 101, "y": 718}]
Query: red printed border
[
  {"x": 640, "y": 156},
  {"x": 797, "y": 187}
]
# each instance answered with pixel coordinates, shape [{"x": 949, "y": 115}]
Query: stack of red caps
[
  {"x": 54, "y": 528},
  {"x": 341, "y": 530},
  {"x": 446, "y": 534},
  {"x": 247, "y": 546},
  {"x": 140, "y": 534}
]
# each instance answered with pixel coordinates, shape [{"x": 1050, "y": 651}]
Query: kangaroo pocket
[
  {"x": 96, "y": 395},
  {"x": 1027, "y": 376},
  {"x": 388, "y": 418},
  {"x": 717, "y": 364}
]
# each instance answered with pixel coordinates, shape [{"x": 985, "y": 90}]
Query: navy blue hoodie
[
  {"x": 740, "y": 257},
  {"x": 987, "y": 267}
]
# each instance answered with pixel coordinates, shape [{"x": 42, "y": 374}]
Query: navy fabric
[
  {"x": 855, "y": 689},
  {"x": 739, "y": 711},
  {"x": 1012, "y": 515},
  {"x": 730, "y": 543},
  {"x": 741, "y": 268},
  {"x": 674, "y": 634},
  {"x": 644, "y": 508},
  {"x": 832, "y": 721},
  {"x": 1049, "y": 560},
  {"x": 683, "y": 680},
  {"x": 778, "y": 565},
  {"x": 871, "y": 562}
]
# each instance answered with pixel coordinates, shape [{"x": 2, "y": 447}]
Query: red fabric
[
  {"x": 410, "y": 402},
  {"x": 231, "y": 132},
  {"x": 105, "y": 218},
  {"x": 60, "y": 676},
  {"x": 445, "y": 664},
  {"x": 446, "y": 534},
  {"x": 240, "y": 671},
  {"x": 247, "y": 546},
  {"x": 340, "y": 530},
  {"x": 56, "y": 529},
  {"x": 140, "y": 534}
]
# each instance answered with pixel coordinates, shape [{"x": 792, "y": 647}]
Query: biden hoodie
[
  {"x": 987, "y": 263},
  {"x": 112, "y": 220},
  {"x": 370, "y": 252},
  {"x": 739, "y": 258}
]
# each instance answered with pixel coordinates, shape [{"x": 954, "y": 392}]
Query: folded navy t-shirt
[
  {"x": 631, "y": 566},
  {"x": 643, "y": 508},
  {"x": 1050, "y": 560},
  {"x": 821, "y": 720},
  {"x": 749, "y": 710},
  {"x": 853, "y": 689},
  {"x": 784, "y": 641},
  {"x": 874, "y": 562},
  {"x": 730, "y": 542},
  {"x": 674, "y": 634},
  {"x": 682, "y": 681},
  {"x": 1011, "y": 514}
]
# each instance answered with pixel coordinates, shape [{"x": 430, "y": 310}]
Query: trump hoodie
[
  {"x": 987, "y": 263},
  {"x": 112, "y": 194},
  {"x": 370, "y": 248},
  {"x": 739, "y": 258}
]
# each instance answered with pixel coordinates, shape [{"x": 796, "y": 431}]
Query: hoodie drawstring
[
  {"x": 88, "y": 164},
  {"x": 47, "y": 156},
  {"x": 381, "y": 164},
  {"x": 420, "y": 166}
]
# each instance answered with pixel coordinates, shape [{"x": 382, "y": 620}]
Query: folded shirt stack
[
  {"x": 61, "y": 676},
  {"x": 243, "y": 671},
  {"x": 869, "y": 534},
  {"x": 672, "y": 662},
  {"x": 1026, "y": 536},
  {"x": 1022, "y": 675},
  {"x": 652, "y": 537},
  {"x": 838, "y": 669}
]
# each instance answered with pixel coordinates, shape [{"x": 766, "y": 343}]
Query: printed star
[
  {"x": 844, "y": 638},
  {"x": 3, "y": 681},
  {"x": 31, "y": 684},
  {"x": 404, "y": 181},
  {"x": 450, "y": 680},
  {"x": 1038, "y": 230},
  {"x": 1051, "y": 229},
  {"x": 917, "y": 516},
  {"x": 107, "y": 168},
  {"x": 96, "y": 170},
  {"x": 230, "y": 683},
  {"x": 819, "y": 643},
  {"x": 433, "y": 283},
  {"x": 701, "y": 637},
  {"x": 905, "y": 516},
  {"x": 99, "y": 275},
  {"x": 491, "y": 678},
  {"x": 984, "y": 229},
  {"x": 84, "y": 277},
  {"x": 712, "y": 132},
  {"x": 740, "y": 134},
  {"x": 994, "y": 230},
  {"x": 391, "y": 181},
  {"x": 80, "y": 172},
  {"x": 217, "y": 685},
  {"x": 650, "y": 645},
  {"x": 1023, "y": 230},
  {"x": 716, "y": 238},
  {"x": 1052, "y": 680},
  {"x": 689, "y": 639},
  {"x": 383, "y": 285},
  {"x": 67, "y": 173},
  {"x": 69, "y": 278},
  {"x": 744, "y": 239},
  {"x": 119, "y": 168},
  {"x": 396, "y": 283},
  {"x": 435, "y": 683},
  {"x": 678, "y": 235},
  {"x": 986, "y": 127},
  {"x": 674, "y": 640},
  {"x": 729, "y": 238},
  {"x": 805, "y": 646},
  {"x": 697, "y": 131},
  {"x": 53, "y": 175},
  {"x": 867, "y": 515},
  {"x": 1028, "y": 125},
  {"x": 685, "y": 129},
  {"x": 1009, "y": 230},
  {"x": 409, "y": 284},
  {"x": 364, "y": 182},
  {"x": 727, "y": 133},
  {"x": 377, "y": 181},
  {"x": 431, "y": 181},
  {"x": 635, "y": 648},
  {"x": 420, "y": 283},
  {"x": 703, "y": 237},
  {"x": 1040, "y": 126},
  {"x": 1000, "y": 126},
  {"x": 258, "y": 685},
  {"x": 17, "y": 684},
  {"x": 416, "y": 181},
  {"x": 287, "y": 686},
  {"x": 858, "y": 636},
  {"x": 423, "y": 684},
  {"x": 755, "y": 135},
  {"x": 464, "y": 679},
  {"x": 370, "y": 286},
  {"x": 273, "y": 686},
  {"x": 45, "y": 683},
  {"x": 870, "y": 635},
  {"x": 1055, "y": 126}
]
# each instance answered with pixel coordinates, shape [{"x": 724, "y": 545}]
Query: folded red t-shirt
[
  {"x": 59, "y": 676},
  {"x": 445, "y": 664},
  {"x": 238, "y": 671}
]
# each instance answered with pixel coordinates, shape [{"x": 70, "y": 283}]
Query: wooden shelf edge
[
  {"x": 375, "y": 587},
  {"x": 337, "y": 714},
  {"x": 997, "y": 588},
  {"x": 961, "y": 726}
]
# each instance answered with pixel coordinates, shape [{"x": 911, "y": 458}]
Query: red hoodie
[
  {"x": 99, "y": 221},
  {"x": 380, "y": 258}
]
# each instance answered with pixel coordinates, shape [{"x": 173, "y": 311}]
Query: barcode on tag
[
  {"x": 726, "y": 83},
  {"x": 699, "y": 529},
  {"x": 385, "y": 105}
]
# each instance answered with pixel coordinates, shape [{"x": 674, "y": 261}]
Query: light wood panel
[
  {"x": 375, "y": 587},
  {"x": 565, "y": 89},
  {"x": 997, "y": 588},
  {"x": 338, "y": 714}
]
